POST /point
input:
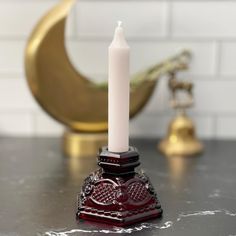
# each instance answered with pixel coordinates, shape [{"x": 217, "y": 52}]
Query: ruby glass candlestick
[{"x": 116, "y": 194}]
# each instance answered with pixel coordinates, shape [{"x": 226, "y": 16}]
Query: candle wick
[{"x": 119, "y": 23}]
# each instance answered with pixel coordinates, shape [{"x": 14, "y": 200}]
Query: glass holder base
[{"x": 116, "y": 194}]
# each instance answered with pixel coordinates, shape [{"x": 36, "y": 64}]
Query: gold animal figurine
[
  {"x": 69, "y": 96},
  {"x": 181, "y": 139},
  {"x": 175, "y": 85}
]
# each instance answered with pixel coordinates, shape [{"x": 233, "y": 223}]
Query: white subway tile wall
[
  {"x": 97, "y": 18},
  {"x": 155, "y": 30}
]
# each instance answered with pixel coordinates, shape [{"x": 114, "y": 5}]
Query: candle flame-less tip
[{"x": 119, "y": 23}]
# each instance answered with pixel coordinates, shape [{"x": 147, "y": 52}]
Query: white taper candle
[{"x": 118, "y": 98}]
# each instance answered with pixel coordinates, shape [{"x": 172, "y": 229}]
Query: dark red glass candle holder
[{"x": 116, "y": 194}]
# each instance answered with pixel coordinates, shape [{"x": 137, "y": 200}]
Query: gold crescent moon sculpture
[{"x": 66, "y": 94}]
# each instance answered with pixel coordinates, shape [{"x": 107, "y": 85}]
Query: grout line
[
  {"x": 215, "y": 126},
  {"x": 201, "y": 1},
  {"x": 33, "y": 123},
  {"x": 72, "y": 36},
  {"x": 198, "y": 113},
  {"x": 122, "y": 0},
  {"x": 18, "y": 38},
  {"x": 168, "y": 20},
  {"x": 32, "y": 1},
  {"x": 154, "y": 39},
  {"x": 166, "y": 112},
  {"x": 76, "y": 25},
  {"x": 20, "y": 110},
  {"x": 194, "y": 77},
  {"x": 136, "y": 38},
  {"x": 217, "y": 62},
  {"x": 11, "y": 75}
]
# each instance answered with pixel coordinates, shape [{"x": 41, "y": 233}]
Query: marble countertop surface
[{"x": 39, "y": 186}]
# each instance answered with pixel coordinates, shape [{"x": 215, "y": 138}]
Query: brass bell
[{"x": 181, "y": 139}]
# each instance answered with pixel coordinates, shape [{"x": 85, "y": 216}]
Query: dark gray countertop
[{"x": 38, "y": 189}]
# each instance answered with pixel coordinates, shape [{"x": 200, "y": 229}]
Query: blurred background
[{"x": 156, "y": 30}]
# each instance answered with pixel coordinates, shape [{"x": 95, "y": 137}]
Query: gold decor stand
[
  {"x": 181, "y": 137},
  {"x": 70, "y": 97},
  {"x": 77, "y": 144}
]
